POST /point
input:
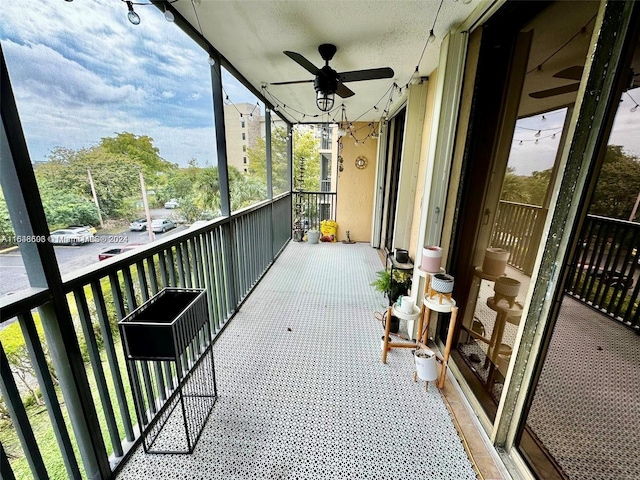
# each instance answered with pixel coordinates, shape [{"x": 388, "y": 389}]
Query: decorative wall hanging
[{"x": 361, "y": 162}]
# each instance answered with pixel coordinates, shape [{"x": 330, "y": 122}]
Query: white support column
[{"x": 441, "y": 144}]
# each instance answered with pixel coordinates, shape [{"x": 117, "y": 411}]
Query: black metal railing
[
  {"x": 226, "y": 257},
  {"x": 605, "y": 268},
  {"x": 518, "y": 228},
  {"x": 311, "y": 208}
]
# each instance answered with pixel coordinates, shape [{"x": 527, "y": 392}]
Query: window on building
[
  {"x": 242, "y": 124},
  {"x": 244, "y": 136},
  {"x": 244, "y": 148},
  {"x": 244, "y": 160}
]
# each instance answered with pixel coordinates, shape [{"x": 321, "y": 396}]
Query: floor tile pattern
[
  {"x": 303, "y": 393},
  {"x": 586, "y": 408}
]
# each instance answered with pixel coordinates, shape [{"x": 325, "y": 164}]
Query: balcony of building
[{"x": 301, "y": 390}]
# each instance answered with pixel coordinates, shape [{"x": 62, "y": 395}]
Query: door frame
[{"x": 618, "y": 24}]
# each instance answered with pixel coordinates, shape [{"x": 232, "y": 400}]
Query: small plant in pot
[{"x": 393, "y": 288}]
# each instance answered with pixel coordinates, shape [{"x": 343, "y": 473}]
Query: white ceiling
[{"x": 252, "y": 35}]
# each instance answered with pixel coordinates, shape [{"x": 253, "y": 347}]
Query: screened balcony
[{"x": 302, "y": 390}]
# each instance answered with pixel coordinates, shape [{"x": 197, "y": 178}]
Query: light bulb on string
[
  {"x": 520, "y": 142},
  {"x": 211, "y": 61},
  {"x": 538, "y": 133},
  {"x": 168, "y": 15},
  {"x": 634, "y": 108},
  {"x": 432, "y": 36},
  {"x": 536, "y": 141},
  {"x": 553, "y": 136},
  {"x": 133, "y": 17},
  {"x": 466, "y": 2},
  {"x": 544, "y": 119}
]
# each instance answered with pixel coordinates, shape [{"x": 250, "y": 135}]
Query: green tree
[
  {"x": 244, "y": 190},
  {"x": 306, "y": 160},
  {"x": 180, "y": 183},
  {"x": 529, "y": 189},
  {"x": 140, "y": 149},
  {"x": 513, "y": 188},
  {"x": 115, "y": 177},
  {"x": 618, "y": 184}
]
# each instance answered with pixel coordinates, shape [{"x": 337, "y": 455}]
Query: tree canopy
[
  {"x": 306, "y": 159},
  {"x": 618, "y": 185},
  {"x": 616, "y": 191}
]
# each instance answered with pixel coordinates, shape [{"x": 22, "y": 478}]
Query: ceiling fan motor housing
[{"x": 326, "y": 80}]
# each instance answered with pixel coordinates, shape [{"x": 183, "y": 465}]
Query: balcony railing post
[{"x": 221, "y": 141}]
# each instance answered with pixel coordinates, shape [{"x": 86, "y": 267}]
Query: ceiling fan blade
[
  {"x": 571, "y": 73},
  {"x": 291, "y": 82},
  {"x": 303, "y": 62},
  {"x": 370, "y": 74},
  {"x": 573, "y": 87},
  {"x": 344, "y": 91}
]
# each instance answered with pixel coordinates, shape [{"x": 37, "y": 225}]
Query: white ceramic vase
[
  {"x": 426, "y": 365},
  {"x": 442, "y": 283},
  {"x": 495, "y": 261},
  {"x": 431, "y": 259},
  {"x": 507, "y": 287}
]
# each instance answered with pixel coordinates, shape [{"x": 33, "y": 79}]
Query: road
[{"x": 13, "y": 276}]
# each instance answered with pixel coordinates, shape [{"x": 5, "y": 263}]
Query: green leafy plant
[{"x": 392, "y": 286}]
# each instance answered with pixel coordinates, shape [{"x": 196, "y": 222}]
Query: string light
[
  {"x": 538, "y": 133},
  {"x": 635, "y": 107},
  {"x": 582, "y": 30},
  {"x": 134, "y": 18}
]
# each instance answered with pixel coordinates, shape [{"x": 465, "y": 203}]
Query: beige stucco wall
[
  {"x": 355, "y": 189},
  {"x": 422, "y": 169}
]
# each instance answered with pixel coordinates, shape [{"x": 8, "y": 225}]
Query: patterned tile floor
[
  {"x": 303, "y": 394},
  {"x": 586, "y": 408}
]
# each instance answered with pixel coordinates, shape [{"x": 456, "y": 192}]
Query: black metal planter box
[
  {"x": 167, "y": 344},
  {"x": 163, "y": 327}
]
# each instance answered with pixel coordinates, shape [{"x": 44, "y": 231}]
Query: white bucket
[
  {"x": 313, "y": 236},
  {"x": 407, "y": 304},
  {"x": 495, "y": 261},
  {"x": 426, "y": 365},
  {"x": 431, "y": 259}
]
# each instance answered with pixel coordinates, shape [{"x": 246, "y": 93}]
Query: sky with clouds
[
  {"x": 528, "y": 156},
  {"x": 80, "y": 71}
]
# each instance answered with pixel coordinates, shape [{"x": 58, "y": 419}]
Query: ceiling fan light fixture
[
  {"x": 325, "y": 100},
  {"x": 325, "y": 92}
]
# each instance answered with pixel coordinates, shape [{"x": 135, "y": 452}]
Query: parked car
[
  {"x": 162, "y": 225},
  {"x": 138, "y": 225},
  {"x": 90, "y": 228},
  {"x": 173, "y": 203},
  {"x": 68, "y": 236},
  {"x": 117, "y": 251}
]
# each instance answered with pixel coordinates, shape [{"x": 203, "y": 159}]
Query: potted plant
[{"x": 394, "y": 287}]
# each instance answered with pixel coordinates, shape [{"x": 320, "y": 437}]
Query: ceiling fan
[
  {"x": 571, "y": 73},
  {"x": 327, "y": 81}
]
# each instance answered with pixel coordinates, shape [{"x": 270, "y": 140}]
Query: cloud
[{"x": 81, "y": 71}]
